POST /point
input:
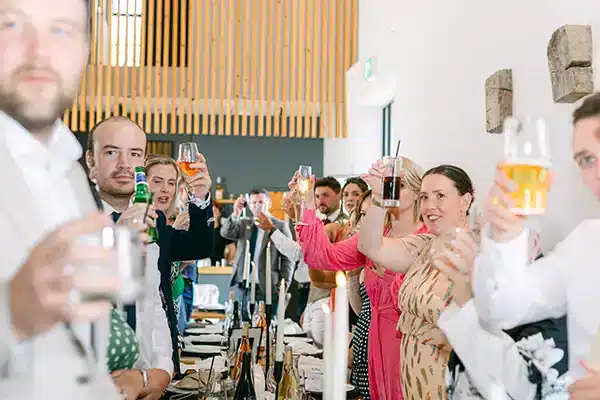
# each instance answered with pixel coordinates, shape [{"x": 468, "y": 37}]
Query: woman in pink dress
[{"x": 319, "y": 253}]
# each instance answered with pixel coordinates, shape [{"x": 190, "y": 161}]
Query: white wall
[{"x": 440, "y": 53}]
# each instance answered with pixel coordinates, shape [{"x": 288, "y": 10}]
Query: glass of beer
[
  {"x": 129, "y": 267},
  {"x": 392, "y": 181},
  {"x": 188, "y": 154},
  {"x": 526, "y": 161}
]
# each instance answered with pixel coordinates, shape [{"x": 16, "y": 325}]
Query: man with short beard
[
  {"x": 116, "y": 146},
  {"x": 45, "y": 342}
]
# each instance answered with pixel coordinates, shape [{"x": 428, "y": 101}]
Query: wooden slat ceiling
[{"x": 220, "y": 67}]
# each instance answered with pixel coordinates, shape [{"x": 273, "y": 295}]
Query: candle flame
[
  {"x": 282, "y": 282},
  {"x": 340, "y": 279}
]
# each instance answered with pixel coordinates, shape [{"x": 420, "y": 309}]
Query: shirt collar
[
  {"x": 62, "y": 149},
  {"x": 334, "y": 215}
]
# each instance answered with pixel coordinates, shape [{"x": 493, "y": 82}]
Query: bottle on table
[
  {"x": 219, "y": 191},
  {"x": 242, "y": 349},
  {"x": 235, "y": 318},
  {"x": 289, "y": 385},
  {"x": 245, "y": 385},
  {"x": 259, "y": 320},
  {"x": 144, "y": 196}
]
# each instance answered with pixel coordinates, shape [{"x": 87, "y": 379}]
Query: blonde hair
[
  {"x": 413, "y": 176},
  {"x": 156, "y": 159}
]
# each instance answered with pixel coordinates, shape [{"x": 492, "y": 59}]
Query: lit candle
[
  {"x": 253, "y": 287},
  {"x": 327, "y": 354},
  {"x": 280, "y": 322},
  {"x": 246, "y": 263},
  {"x": 340, "y": 333},
  {"x": 268, "y": 276}
]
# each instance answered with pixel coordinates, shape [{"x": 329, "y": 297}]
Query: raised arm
[
  {"x": 510, "y": 293},
  {"x": 198, "y": 240},
  {"x": 396, "y": 254},
  {"x": 286, "y": 268},
  {"x": 320, "y": 253}
]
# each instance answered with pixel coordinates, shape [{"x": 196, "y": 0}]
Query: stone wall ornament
[
  {"x": 570, "y": 62},
  {"x": 498, "y": 99}
]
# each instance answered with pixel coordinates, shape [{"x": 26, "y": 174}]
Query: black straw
[{"x": 398, "y": 148}]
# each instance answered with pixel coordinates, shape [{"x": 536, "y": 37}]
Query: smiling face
[
  {"x": 162, "y": 181},
  {"x": 442, "y": 205},
  {"x": 259, "y": 203},
  {"x": 37, "y": 81},
  {"x": 350, "y": 196},
  {"x": 586, "y": 152}
]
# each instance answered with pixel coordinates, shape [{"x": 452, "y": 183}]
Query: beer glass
[
  {"x": 392, "y": 181},
  {"x": 188, "y": 154},
  {"x": 526, "y": 162},
  {"x": 129, "y": 267}
]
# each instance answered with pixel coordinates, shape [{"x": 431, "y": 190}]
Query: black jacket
[{"x": 179, "y": 245}]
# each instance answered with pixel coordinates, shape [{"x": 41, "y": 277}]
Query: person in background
[
  {"x": 351, "y": 191},
  {"x": 224, "y": 248},
  {"x": 289, "y": 248},
  {"x": 328, "y": 200},
  {"x": 116, "y": 146},
  {"x": 236, "y": 228}
]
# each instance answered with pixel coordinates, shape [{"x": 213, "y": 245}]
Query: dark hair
[
  {"x": 588, "y": 109},
  {"x": 114, "y": 118},
  {"x": 330, "y": 182},
  {"x": 462, "y": 181},
  {"x": 260, "y": 191},
  {"x": 358, "y": 182}
]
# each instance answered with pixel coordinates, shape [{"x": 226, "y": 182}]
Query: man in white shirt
[
  {"x": 508, "y": 293},
  {"x": 115, "y": 147},
  {"x": 45, "y": 349}
]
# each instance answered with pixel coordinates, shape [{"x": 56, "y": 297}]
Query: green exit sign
[{"x": 368, "y": 68}]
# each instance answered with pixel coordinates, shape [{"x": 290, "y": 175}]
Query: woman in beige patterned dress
[{"x": 445, "y": 198}]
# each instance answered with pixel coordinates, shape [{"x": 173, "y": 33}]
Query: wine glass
[
  {"x": 188, "y": 154},
  {"x": 304, "y": 188}
]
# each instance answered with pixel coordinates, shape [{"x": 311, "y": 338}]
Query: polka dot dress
[
  {"x": 360, "y": 373},
  {"x": 123, "y": 346}
]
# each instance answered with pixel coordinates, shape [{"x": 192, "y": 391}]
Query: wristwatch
[{"x": 144, "y": 373}]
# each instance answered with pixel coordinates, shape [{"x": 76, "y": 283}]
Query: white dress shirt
[
  {"x": 45, "y": 168},
  {"x": 509, "y": 293},
  {"x": 152, "y": 328},
  {"x": 490, "y": 356},
  {"x": 293, "y": 251}
]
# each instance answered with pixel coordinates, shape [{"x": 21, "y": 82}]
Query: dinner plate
[
  {"x": 349, "y": 388},
  {"x": 205, "y": 330},
  {"x": 289, "y": 339},
  {"x": 200, "y": 349},
  {"x": 209, "y": 338}
]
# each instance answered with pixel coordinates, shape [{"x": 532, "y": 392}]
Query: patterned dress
[
  {"x": 123, "y": 347},
  {"x": 360, "y": 370},
  {"x": 424, "y": 350}
]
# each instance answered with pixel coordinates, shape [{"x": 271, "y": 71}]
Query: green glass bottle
[{"x": 143, "y": 195}]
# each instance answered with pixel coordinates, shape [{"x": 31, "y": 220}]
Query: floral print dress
[{"x": 544, "y": 348}]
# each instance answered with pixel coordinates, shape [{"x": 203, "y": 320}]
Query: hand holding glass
[
  {"x": 188, "y": 154},
  {"x": 392, "y": 181},
  {"x": 129, "y": 267},
  {"x": 304, "y": 179}
]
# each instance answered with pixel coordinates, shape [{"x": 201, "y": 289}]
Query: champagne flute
[
  {"x": 188, "y": 154},
  {"x": 304, "y": 188}
]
